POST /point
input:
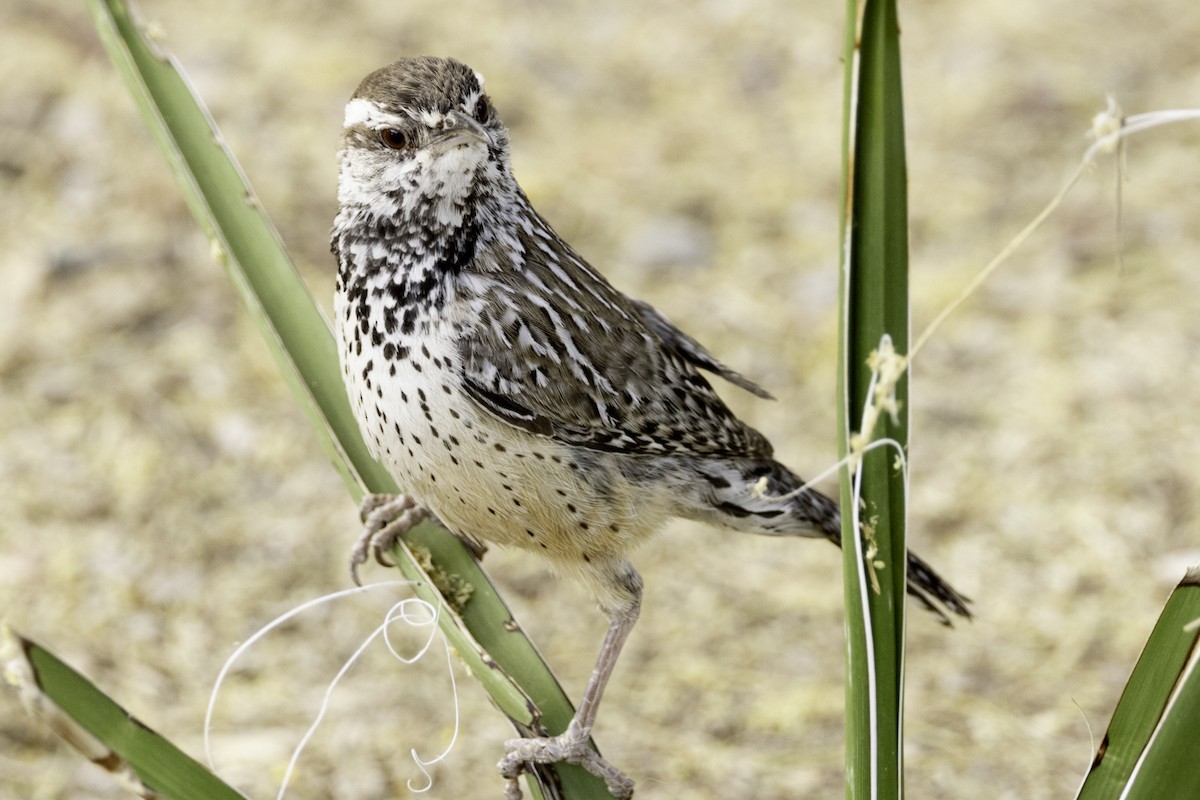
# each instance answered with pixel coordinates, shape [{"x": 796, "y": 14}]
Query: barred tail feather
[
  {"x": 927, "y": 586},
  {"x": 763, "y": 497}
]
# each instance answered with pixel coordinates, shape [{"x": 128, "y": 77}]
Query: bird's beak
[{"x": 462, "y": 130}]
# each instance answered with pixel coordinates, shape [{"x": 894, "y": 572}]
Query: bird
[{"x": 514, "y": 393}]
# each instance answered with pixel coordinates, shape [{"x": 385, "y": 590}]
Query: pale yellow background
[{"x": 163, "y": 496}]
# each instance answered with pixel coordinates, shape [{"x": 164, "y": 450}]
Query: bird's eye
[
  {"x": 394, "y": 138},
  {"x": 483, "y": 110}
]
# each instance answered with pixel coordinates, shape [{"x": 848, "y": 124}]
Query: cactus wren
[{"x": 512, "y": 391}]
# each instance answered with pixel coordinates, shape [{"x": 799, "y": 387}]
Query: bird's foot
[
  {"x": 385, "y": 517},
  {"x": 572, "y": 747}
]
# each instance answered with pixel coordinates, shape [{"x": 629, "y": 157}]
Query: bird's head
[{"x": 421, "y": 141}]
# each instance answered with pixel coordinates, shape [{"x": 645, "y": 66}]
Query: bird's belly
[{"x": 482, "y": 477}]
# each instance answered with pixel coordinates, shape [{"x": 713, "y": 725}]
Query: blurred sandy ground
[{"x": 164, "y": 497}]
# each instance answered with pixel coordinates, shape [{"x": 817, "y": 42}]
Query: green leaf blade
[
  {"x": 1151, "y": 748},
  {"x": 874, "y": 292},
  {"x": 78, "y": 711}
]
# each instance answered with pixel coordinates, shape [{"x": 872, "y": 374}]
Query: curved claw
[{"x": 382, "y": 545}]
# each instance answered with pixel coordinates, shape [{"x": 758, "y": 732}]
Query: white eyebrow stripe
[{"x": 361, "y": 111}]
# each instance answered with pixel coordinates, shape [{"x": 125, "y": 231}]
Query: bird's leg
[
  {"x": 385, "y": 517},
  {"x": 573, "y": 745}
]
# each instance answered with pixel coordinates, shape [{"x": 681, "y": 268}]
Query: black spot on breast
[{"x": 408, "y": 321}]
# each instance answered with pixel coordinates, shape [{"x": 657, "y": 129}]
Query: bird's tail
[
  {"x": 931, "y": 590},
  {"x": 768, "y": 500}
]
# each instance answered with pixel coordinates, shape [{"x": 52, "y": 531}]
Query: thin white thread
[
  {"x": 869, "y": 643},
  {"x": 431, "y": 621},
  {"x": 1108, "y": 129},
  {"x": 260, "y": 633},
  {"x": 1091, "y": 754},
  {"x": 403, "y": 611},
  {"x": 863, "y": 599},
  {"x": 871, "y": 410}
]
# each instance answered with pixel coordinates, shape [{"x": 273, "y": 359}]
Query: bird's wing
[
  {"x": 553, "y": 348},
  {"x": 692, "y": 351}
]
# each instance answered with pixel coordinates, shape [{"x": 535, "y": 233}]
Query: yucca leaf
[
  {"x": 106, "y": 734},
  {"x": 1152, "y": 746},
  {"x": 874, "y": 295}
]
